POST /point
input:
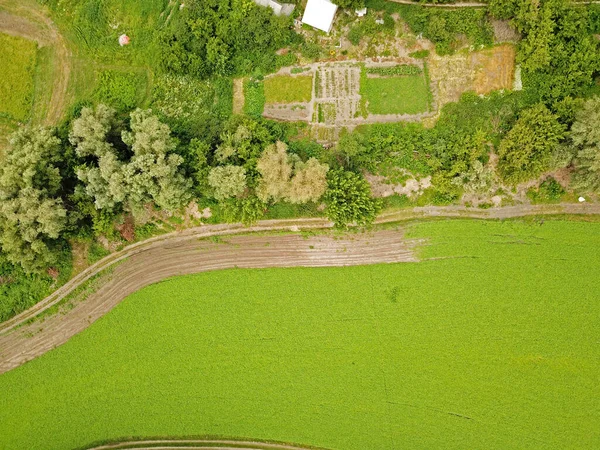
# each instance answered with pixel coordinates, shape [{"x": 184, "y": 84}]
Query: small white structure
[
  {"x": 361, "y": 12},
  {"x": 581, "y": 199},
  {"x": 124, "y": 40},
  {"x": 319, "y": 14},
  {"x": 280, "y": 9}
]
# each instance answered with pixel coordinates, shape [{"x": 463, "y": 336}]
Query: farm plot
[
  {"x": 337, "y": 93},
  {"x": 483, "y": 72},
  {"x": 401, "y": 89},
  {"x": 17, "y": 72},
  {"x": 287, "y": 97},
  {"x": 492, "y": 339}
]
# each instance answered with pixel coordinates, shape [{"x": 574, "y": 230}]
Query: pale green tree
[
  {"x": 153, "y": 173},
  {"x": 309, "y": 181},
  {"x": 585, "y": 135},
  {"x": 227, "y": 181},
  {"x": 32, "y": 215},
  {"x": 275, "y": 168}
]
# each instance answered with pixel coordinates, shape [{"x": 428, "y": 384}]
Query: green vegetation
[
  {"x": 401, "y": 69},
  {"x": 447, "y": 28},
  {"x": 286, "y": 89},
  {"x": 121, "y": 90},
  {"x": 396, "y": 95},
  {"x": 498, "y": 322},
  {"x": 549, "y": 191},
  {"x": 254, "y": 94},
  {"x": 18, "y": 58}
]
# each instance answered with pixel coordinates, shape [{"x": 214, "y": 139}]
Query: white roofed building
[{"x": 319, "y": 14}]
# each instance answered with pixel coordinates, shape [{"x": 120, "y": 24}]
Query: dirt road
[
  {"x": 27, "y": 20},
  {"x": 148, "y": 262}
]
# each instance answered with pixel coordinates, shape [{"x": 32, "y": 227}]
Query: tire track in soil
[
  {"x": 181, "y": 253},
  {"x": 201, "y": 444}
]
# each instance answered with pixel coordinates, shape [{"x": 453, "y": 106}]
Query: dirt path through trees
[
  {"x": 215, "y": 247},
  {"x": 26, "y": 20}
]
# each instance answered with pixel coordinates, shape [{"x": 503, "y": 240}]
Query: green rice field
[
  {"x": 492, "y": 341},
  {"x": 406, "y": 94},
  {"x": 17, "y": 70}
]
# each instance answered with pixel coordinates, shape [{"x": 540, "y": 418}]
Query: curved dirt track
[
  {"x": 199, "y": 444},
  {"x": 27, "y": 21},
  {"x": 151, "y": 261}
]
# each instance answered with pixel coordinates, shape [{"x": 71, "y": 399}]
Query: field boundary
[{"x": 291, "y": 225}]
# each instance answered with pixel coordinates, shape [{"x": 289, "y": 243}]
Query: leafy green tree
[
  {"x": 527, "y": 149},
  {"x": 227, "y": 181},
  {"x": 152, "y": 174},
  {"x": 558, "y": 54},
  {"x": 585, "y": 135},
  {"x": 32, "y": 215},
  {"x": 348, "y": 199},
  {"x": 223, "y": 37}
]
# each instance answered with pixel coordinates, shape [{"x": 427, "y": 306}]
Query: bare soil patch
[
  {"x": 238, "y": 96},
  {"x": 482, "y": 71}
]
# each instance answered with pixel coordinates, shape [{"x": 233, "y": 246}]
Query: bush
[
  {"x": 549, "y": 191},
  {"x": 420, "y": 54},
  {"x": 348, "y": 199}
]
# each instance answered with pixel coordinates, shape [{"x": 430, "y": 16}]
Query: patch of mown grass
[
  {"x": 288, "y": 89},
  {"x": 17, "y": 68},
  {"x": 396, "y": 95},
  {"x": 491, "y": 338}
]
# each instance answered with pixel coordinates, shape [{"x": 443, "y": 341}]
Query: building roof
[
  {"x": 319, "y": 14},
  {"x": 280, "y": 9}
]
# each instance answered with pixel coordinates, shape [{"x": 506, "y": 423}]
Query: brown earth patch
[
  {"x": 494, "y": 68},
  {"x": 482, "y": 71},
  {"x": 238, "y": 96}
]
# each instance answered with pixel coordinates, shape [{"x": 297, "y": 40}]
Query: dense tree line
[{"x": 224, "y": 37}]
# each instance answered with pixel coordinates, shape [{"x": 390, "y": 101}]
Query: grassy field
[
  {"x": 491, "y": 342},
  {"x": 287, "y": 89},
  {"x": 17, "y": 70},
  {"x": 407, "y": 94}
]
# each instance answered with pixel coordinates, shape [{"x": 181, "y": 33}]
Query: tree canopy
[{"x": 32, "y": 214}]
